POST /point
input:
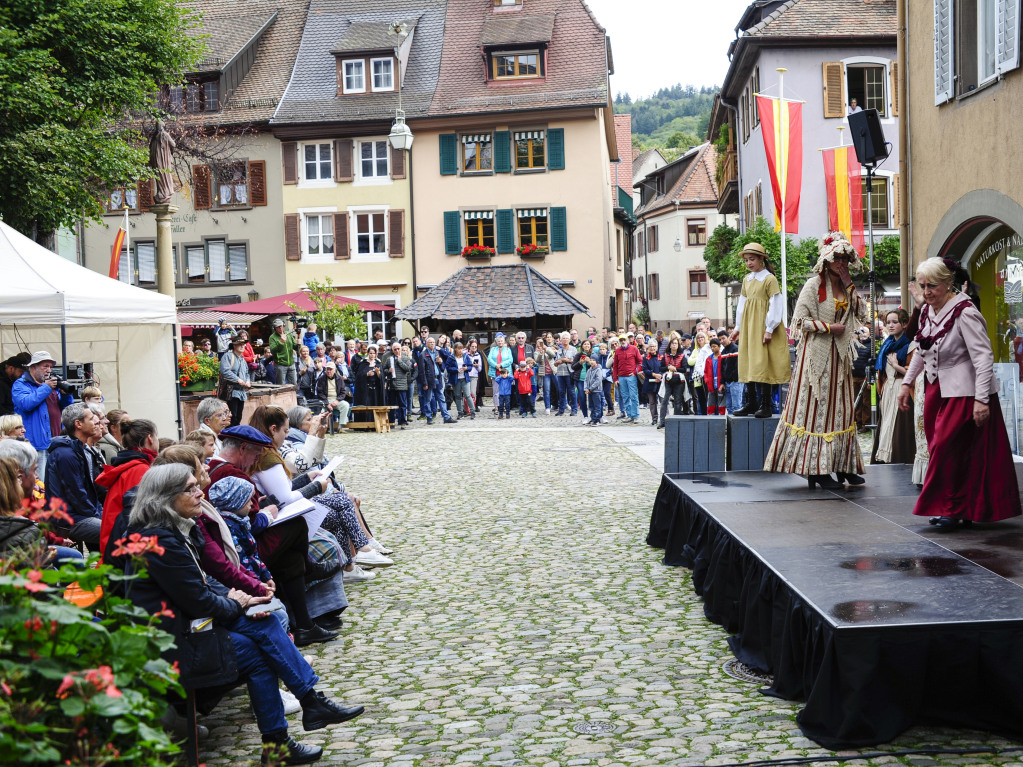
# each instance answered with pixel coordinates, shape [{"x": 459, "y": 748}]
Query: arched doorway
[{"x": 984, "y": 232}]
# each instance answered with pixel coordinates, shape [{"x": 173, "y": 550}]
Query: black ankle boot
[
  {"x": 318, "y": 711},
  {"x": 764, "y": 394},
  {"x": 751, "y": 402},
  {"x": 278, "y": 745}
]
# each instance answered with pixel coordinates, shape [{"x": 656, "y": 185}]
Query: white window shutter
[
  {"x": 1007, "y": 33},
  {"x": 944, "y": 80}
]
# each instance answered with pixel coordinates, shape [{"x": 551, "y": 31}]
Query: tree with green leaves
[
  {"x": 74, "y": 76},
  {"x": 333, "y": 318},
  {"x": 725, "y": 265}
]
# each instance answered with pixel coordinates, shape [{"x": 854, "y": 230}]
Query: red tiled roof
[
  {"x": 623, "y": 134},
  {"x": 695, "y": 186},
  {"x": 576, "y": 61},
  {"x": 828, "y": 18}
]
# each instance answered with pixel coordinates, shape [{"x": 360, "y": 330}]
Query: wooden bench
[{"x": 379, "y": 422}]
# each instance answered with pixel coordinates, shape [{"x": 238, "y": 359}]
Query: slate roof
[
  {"x": 623, "y": 169},
  {"x": 370, "y": 36},
  {"x": 577, "y": 60},
  {"x": 511, "y": 29},
  {"x": 225, "y": 36},
  {"x": 230, "y": 24},
  {"x": 311, "y": 96},
  {"x": 828, "y": 18},
  {"x": 696, "y": 185},
  {"x": 493, "y": 292}
]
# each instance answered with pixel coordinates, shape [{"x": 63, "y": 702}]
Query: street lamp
[{"x": 401, "y": 135}]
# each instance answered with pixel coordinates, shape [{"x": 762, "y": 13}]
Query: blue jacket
[
  {"x": 30, "y": 403},
  {"x": 310, "y": 340},
  {"x": 451, "y": 363},
  {"x": 504, "y": 385},
  {"x": 427, "y": 368},
  {"x": 68, "y": 478}
]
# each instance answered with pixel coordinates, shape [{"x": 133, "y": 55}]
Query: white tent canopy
[{"x": 126, "y": 332}]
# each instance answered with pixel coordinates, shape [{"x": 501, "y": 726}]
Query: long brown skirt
[{"x": 971, "y": 474}]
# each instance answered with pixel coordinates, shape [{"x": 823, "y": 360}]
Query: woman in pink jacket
[{"x": 970, "y": 477}]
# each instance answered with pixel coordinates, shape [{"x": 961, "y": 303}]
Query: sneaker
[
  {"x": 308, "y": 659},
  {"x": 533, "y": 415},
  {"x": 291, "y": 704},
  {"x": 372, "y": 559},
  {"x": 376, "y": 545},
  {"x": 357, "y": 575},
  {"x": 523, "y": 415},
  {"x": 547, "y": 411}
]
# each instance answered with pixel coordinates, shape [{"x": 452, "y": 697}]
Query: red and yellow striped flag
[
  {"x": 842, "y": 178},
  {"x": 782, "y": 125},
  {"x": 115, "y": 252}
]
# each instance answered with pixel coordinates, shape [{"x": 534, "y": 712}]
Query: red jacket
[
  {"x": 525, "y": 379},
  {"x": 627, "y": 362},
  {"x": 709, "y": 379},
  {"x": 119, "y": 478}
]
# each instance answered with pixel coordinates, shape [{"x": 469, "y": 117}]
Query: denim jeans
[
  {"x": 265, "y": 654},
  {"x": 566, "y": 394},
  {"x": 438, "y": 401},
  {"x": 426, "y": 402},
  {"x": 580, "y": 395},
  {"x": 596, "y": 400},
  {"x": 736, "y": 394},
  {"x": 527, "y": 403},
  {"x": 548, "y": 381},
  {"x": 630, "y": 395},
  {"x": 398, "y": 399},
  {"x": 504, "y": 404},
  {"x": 608, "y": 401}
]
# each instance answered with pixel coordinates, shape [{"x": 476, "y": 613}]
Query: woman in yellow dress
[
  {"x": 817, "y": 432},
  {"x": 763, "y": 343}
]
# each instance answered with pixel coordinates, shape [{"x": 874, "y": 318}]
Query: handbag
[{"x": 206, "y": 658}]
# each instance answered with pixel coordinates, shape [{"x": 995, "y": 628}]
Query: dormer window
[
  {"x": 193, "y": 97},
  {"x": 354, "y": 77},
  {"x": 383, "y": 73},
  {"x": 507, "y": 3},
  {"x": 515, "y": 65}
]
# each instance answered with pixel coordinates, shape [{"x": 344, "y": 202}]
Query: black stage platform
[{"x": 855, "y": 606}]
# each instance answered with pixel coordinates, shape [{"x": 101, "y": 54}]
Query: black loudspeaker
[{"x": 868, "y": 136}]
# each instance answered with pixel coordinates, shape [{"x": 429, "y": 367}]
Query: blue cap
[
  {"x": 246, "y": 434},
  {"x": 499, "y": 335},
  {"x": 231, "y": 493}
]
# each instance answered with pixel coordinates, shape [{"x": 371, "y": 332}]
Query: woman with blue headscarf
[{"x": 895, "y": 437}]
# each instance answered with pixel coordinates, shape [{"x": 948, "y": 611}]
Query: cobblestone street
[{"x": 525, "y": 610}]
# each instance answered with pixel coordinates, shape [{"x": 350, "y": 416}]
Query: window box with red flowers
[
  {"x": 478, "y": 251},
  {"x": 529, "y": 250}
]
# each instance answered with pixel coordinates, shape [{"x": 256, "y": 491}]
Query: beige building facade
[{"x": 965, "y": 179}]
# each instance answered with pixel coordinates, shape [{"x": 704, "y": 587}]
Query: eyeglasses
[{"x": 192, "y": 490}]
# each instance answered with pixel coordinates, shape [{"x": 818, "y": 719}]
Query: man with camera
[
  {"x": 36, "y": 400},
  {"x": 284, "y": 344},
  {"x": 71, "y": 474}
]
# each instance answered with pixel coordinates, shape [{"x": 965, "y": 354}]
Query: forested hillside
[{"x": 675, "y": 117}]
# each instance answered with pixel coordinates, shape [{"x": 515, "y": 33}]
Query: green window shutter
[
  {"x": 556, "y": 148},
  {"x": 452, "y": 232},
  {"x": 449, "y": 154},
  {"x": 502, "y": 151},
  {"x": 505, "y": 231},
  {"x": 559, "y": 229}
]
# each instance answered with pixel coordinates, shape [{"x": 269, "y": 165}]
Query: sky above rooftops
[{"x": 657, "y": 43}]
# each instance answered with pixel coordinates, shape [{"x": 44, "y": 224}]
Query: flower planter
[
  {"x": 476, "y": 252},
  {"x": 204, "y": 385},
  {"x": 532, "y": 252}
]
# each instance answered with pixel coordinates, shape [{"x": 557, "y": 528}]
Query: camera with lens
[
  {"x": 77, "y": 376},
  {"x": 65, "y": 386},
  {"x": 300, "y": 322}
]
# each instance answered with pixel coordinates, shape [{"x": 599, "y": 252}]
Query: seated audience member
[
  {"x": 213, "y": 416},
  {"x": 11, "y": 427},
  {"x": 110, "y": 443},
  {"x": 284, "y": 547},
  {"x": 124, "y": 473},
  {"x": 167, "y": 505},
  {"x": 71, "y": 471},
  {"x": 204, "y": 441}
]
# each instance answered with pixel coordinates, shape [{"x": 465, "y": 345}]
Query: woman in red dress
[{"x": 970, "y": 477}]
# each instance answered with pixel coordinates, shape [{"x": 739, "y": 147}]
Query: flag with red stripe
[
  {"x": 782, "y": 125},
  {"x": 842, "y": 179},
  {"x": 115, "y": 253}
]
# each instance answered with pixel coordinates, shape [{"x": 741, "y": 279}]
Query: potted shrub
[
  {"x": 477, "y": 251},
  {"x": 197, "y": 372},
  {"x": 529, "y": 250}
]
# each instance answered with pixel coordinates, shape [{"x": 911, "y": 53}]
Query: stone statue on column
[{"x": 161, "y": 149}]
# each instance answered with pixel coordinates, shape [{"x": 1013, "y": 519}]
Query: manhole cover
[
  {"x": 739, "y": 670},
  {"x": 594, "y": 728}
]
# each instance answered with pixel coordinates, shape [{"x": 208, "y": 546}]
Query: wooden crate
[
  {"x": 748, "y": 442},
  {"x": 694, "y": 443}
]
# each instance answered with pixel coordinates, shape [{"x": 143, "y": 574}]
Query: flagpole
[
  {"x": 127, "y": 243},
  {"x": 783, "y": 180}
]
